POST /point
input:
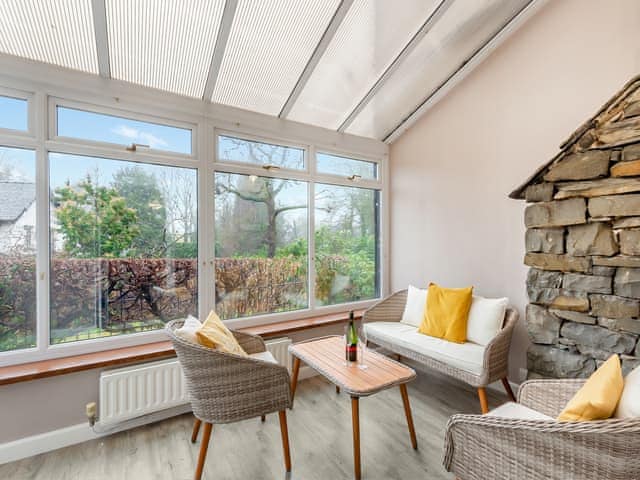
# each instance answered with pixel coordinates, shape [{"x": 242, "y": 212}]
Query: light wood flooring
[{"x": 320, "y": 435}]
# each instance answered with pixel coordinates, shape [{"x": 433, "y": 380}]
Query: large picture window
[
  {"x": 261, "y": 245},
  {"x": 123, "y": 246},
  {"x": 17, "y": 249},
  {"x": 101, "y": 246}
]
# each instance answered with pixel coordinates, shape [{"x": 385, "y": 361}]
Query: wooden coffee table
[{"x": 326, "y": 355}]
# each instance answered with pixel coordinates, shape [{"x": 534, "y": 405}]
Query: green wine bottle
[{"x": 352, "y": 340}]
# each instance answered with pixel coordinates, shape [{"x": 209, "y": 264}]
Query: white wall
[{"x": 451, "y": 220}]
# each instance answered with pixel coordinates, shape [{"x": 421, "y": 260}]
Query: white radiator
[
  {"x": 279, "y": 348},
  {"x": 138, "y": 390},
  {"x": 141, "y": 389}
]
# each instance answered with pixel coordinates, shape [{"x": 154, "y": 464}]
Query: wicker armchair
[
  {"x": 226, "y": 388},
  {"x": 496, "y": 354},
  {"x": 485, "y": 447}
]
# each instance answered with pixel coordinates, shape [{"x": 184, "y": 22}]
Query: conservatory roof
[{"x": 364, "y": 67}]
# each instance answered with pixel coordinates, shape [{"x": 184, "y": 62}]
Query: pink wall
[{"x": 451, "y": 220}]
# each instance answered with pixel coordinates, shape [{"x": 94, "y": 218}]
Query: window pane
[
  {"x": 17, "y": 249},
  {"x": 111, "y": 129},
  {"x": 336, "y": 165},
  {"x": 124, "y": 246},
  {"x": 261, "y": 245},
  {"x": 231, "y": 149},
  {"x": 14, "y": 113},
  {"x": 346, "y": 236}
]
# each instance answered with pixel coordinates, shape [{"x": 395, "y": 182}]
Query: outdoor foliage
[{"x": 95, "y": 221}]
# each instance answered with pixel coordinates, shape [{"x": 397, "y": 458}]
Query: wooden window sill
[{"x": 151, "y": 351}]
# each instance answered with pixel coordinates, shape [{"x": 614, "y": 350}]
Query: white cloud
[{"x": 139, "y": 136}]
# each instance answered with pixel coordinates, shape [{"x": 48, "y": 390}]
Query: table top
[{"x": 326, "y": 355}]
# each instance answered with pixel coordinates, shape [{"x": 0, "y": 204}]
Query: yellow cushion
[
  {"x": 214, "y": 334},
  {"x": 599, "y": 396},
  {"x": 446, "y": 313}
]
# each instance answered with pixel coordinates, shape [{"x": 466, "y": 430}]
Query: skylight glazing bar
[
  {"x": 228, "y": 15},
  {"x": 438, "y": 12},
  {"x": 328, "y": 35},
  {"x": 99, "y": 12},
  {"x": 465, "y": 67}
]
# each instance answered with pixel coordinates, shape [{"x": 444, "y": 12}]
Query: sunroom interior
[{"x": 210, "y": 209}]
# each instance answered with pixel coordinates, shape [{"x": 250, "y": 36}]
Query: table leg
[
  {"x": 355, "y": 418},
  {"x": 294, "y": 378},
  {"x": 407, "y": 412}
]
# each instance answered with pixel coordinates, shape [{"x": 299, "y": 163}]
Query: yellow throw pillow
[
  {"x": 599, "y": 396},
  {"x": 446, "y": 313},
  {"x": 214, "y": 334}
]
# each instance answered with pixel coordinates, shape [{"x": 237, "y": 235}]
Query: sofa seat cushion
[
  {"x": 518, "y": 411},
  {"x": 265, "y": 356},
  {"x": 465, "y": 356}
]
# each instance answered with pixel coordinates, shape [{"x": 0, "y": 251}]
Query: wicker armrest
[
  {"x": 389, "y": 309},
  {"x": 250, "y": 343},
  {"x": 481, "y": 446},
  {"x": 548, "y": 396},
  {"x": 496, "y": 355}
]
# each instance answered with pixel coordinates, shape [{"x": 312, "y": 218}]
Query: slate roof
[
  {"x": 15, "y": 198},
  {"x": 569, "y": 145}
]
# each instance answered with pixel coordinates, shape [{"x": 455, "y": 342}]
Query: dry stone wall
[{"x": 583, "y": 246}]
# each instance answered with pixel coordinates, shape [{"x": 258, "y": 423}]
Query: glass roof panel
[
  {"x": 57, "y": 32},
  {"x": 455, "y": 37},
  {"x": 269, "y": 45},
  {"x": 373, "y": 32},
  {"x": 162, "y": 43}
]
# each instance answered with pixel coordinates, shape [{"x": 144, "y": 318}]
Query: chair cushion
[
  {"x": 414, "y": 308},
  {"x": 465, "y": 356},
  {"x": 446, "y": 313},
  {"x": 517, "y": 411},
  {"x": 188, "y": 329},
  {"x": 214, "y": 334},
  {"x": 599, "y": 396},
  {"x": 485, "y": 319},
  {"x": 629, "y": 405},
  {"x": 264, "y": 356}
]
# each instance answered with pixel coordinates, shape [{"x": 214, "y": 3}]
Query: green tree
[
  {"x": 95, "y": 221},
  {"x": 142, "y": 193}
]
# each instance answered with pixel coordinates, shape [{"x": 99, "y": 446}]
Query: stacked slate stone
[{"x": 583, "y": 246}]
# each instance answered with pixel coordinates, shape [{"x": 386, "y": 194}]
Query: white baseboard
[
  {"x": 44, "y": 442},
  {"x": 74, "y": 434}
]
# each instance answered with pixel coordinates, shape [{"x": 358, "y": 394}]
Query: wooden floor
[{"x": 319, "y": 429}]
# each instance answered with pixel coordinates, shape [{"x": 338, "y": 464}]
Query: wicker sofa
[
  {"x": 481, "y": 447},
  {"x": 474, "y": 364}
]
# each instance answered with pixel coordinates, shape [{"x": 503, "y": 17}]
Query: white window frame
[
  {"x": 28, "y": 97},
  {"x": 312, "y": 178},
  {"x": 54, "y": 103},
  {"x": 84, "y": 92}
]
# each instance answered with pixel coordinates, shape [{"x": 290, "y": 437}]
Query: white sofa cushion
[
  {"x": 188, "y": 329},
  {"x": 414, "y": 308},
  {"x": 485, "y": 318},
  {"x": 517, "y": 411},
  {"x": 629, "y": 404},
  {"x": 465, "y": 356},
  {"x": 264, "y": 356}
]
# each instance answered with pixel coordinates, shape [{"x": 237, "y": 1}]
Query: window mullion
[
  {"x": 42, "y": 224},
  {"x": 311, "y": 228}
]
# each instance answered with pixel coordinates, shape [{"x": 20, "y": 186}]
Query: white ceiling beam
[
  {"x": 465, "y": 68},
  {"x": 230, "y": 7},
  {"x": 321, "y": 47},
  {"x": 437, "y": 13},
  {"x": 102, "y": 40}
]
